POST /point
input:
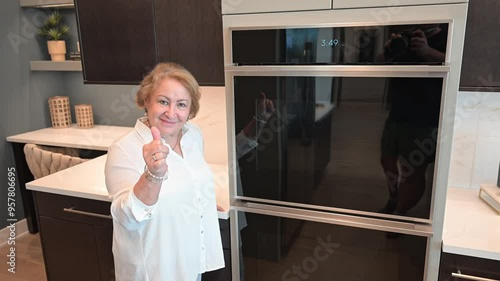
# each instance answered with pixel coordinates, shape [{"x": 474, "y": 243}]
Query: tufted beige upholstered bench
[{"x": 46, "y": 160}]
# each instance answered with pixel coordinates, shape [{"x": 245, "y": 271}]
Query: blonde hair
[{"x": 169, "y": 70}]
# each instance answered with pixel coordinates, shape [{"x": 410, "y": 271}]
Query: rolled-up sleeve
[
  {"x": 122, "y": 172},
  {"x": 244, "y": 144}
]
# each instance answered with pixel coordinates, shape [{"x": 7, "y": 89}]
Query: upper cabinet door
[
  {"x": 189, "y": 32},
  {"x": 481, "y": 57},
  {"x": 265, "y": 6},
  {"x": 117, "y": 40}
]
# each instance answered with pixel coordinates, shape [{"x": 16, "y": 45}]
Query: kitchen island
[
  {"x": 76, "y": 229},
  {"x": 87, "y": 181},
  {"x": 95, "y": 139}
]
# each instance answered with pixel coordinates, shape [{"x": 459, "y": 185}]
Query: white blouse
[{"x": 178, "y": 237}]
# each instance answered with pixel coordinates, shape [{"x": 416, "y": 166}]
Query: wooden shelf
[
  {"x": 55, "y": 65},
  {"x": 47, "y": 3}
]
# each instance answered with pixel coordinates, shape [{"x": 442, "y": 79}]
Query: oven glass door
[
  {"x": 365, "y": 144},
  {"x": 275, "y": 248}
]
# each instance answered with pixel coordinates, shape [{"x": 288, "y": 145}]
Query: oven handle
[
  {"x": 340, "y": 70},
  {"x": 417, "y": 229},
  {"x": 470, "y": 277}
]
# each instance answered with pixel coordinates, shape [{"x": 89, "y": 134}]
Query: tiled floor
[{"x": 29, "y": 260}]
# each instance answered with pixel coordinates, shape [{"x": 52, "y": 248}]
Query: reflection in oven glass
[
  {"x": 365, "y": 144},
  {"x": 274, "y": 248}
]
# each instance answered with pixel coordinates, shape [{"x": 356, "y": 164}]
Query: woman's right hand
[{"x": 155, "y": 154}]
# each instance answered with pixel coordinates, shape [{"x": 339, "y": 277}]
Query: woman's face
[{"x": 168, "y": 108}]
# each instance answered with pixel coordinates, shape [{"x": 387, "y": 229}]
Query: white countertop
[
  {"x": 86, "y": 180},
  {"x": 97, "y": 138},
  {"x": 471, "y": 227}
]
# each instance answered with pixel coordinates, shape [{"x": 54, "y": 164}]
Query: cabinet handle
[
  {"x": 470, "y": 277},
  {"x": 72, "y": 210}
]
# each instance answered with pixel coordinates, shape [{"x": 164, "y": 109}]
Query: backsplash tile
[
  {"x": 489, "y": 116},
  {"x": 487, "y": 157},
  {"x": 212, "y": 121},
  {"x": 476, "y": 140},
  {"x": 467, "y": 112},
  {"x": 462, "y": 157}
]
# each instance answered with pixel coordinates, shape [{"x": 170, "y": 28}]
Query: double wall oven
[{"x": 340, "y": 125}]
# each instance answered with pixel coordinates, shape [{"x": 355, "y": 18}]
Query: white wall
[
  {"x": 23, "y": 93},
  {"x": 476, "y": 140}
]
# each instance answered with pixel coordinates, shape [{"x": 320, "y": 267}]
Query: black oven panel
[
  {"x": 353, "y": 143},
  {"x": 423, "y": 44}
]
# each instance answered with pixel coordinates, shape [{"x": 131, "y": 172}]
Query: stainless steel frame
[
  {"x": 455, "y": 14},
  {"x": 337, "y": 219},
  {"x": 325, "y": 71}
]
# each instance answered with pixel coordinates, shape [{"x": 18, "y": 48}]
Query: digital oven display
[{"x": 391, "y": 44}]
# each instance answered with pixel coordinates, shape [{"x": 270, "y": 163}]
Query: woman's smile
[{"x": 168, "y": 108}]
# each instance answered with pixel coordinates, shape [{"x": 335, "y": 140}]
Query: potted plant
[{"x": 54, "y": 30}]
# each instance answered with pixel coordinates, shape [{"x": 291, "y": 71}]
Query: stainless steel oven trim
[
  {"x": 454, "y": 13},
  {"x": 338, "y": 24},
  {"x": 235, "y": 245},
  {"x": 332, "y": 209},
  {"x": 229, "y": 49},
  {"x": 446, "y": 13},
  {"x": 329, "y": 71},
  {"x": 338, "y": 70},
  {"x": 336, "y": 219}
]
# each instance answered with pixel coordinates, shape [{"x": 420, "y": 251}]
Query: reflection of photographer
[
  {"x": 422, "y": 43},
  {"x": 413, "y": 118}
]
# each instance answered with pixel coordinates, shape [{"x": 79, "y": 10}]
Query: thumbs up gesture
[{"x": 155, "y": 154}]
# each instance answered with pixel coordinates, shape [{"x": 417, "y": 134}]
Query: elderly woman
[{"x": 165, "y": 224}]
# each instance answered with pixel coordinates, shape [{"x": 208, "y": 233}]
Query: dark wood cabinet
[
  {"x": 452, "y": 264},
  {"x": 76, "y": 238},
  {"x": 67, "y": 246},
  {"x": 480, "y": 68},
  {"x": 189, "y": 32},
  {"x": 104, "y": 242},
  {"x": 122, "y": 41},
  {"x": 117, "y": 40}
]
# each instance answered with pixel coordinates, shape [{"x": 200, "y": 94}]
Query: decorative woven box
[
  {"x": 60, "y": 113},
  {"x": 84, "y": 116}
]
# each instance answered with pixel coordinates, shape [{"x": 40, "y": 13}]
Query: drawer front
[
  {"x": 225, "y": 233},
  {"x": 73, "y": 209},
  {"x": 453, "y": 265}
]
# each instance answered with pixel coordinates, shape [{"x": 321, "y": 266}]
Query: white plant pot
[{"x": 57, "y": 50}]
